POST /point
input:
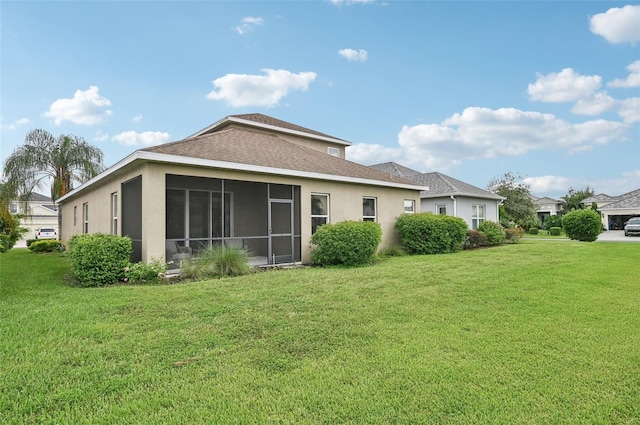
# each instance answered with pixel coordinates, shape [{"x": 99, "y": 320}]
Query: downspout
[{"x": 455, "y": 205}]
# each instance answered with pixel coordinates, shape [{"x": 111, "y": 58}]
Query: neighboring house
[
  {"x": 615, "y": 211},
  {"x": 40, "y": 212},
  {"x": 248, "y": 180},
  {"x": 546, "y": 207},
  {"x": 446, "y": 195}
]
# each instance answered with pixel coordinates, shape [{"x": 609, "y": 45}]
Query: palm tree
[{"x": 43, "y": 159}]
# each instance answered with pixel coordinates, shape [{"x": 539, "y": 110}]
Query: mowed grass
[{"x": 542, "y": 332}]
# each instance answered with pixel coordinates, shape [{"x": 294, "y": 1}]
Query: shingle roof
[
  {"x": 265, "y": 119},
  {"x": 395, "y": 169},
  {"x": 546, "y": 200},
  {"x": 234, "y": 145},
  {"x": 599, "y": 198},
  {"x": 36, "y": 197},
  {"x": 627, "y": 200}
]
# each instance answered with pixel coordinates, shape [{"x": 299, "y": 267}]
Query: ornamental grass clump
[{"x": 217, "y": 261}]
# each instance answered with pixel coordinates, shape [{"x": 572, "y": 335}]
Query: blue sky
[{"x": 549, "y": 90}]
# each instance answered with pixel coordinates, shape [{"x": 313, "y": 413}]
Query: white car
[
  {"x": 46, "y": 233},
  {"x": 632, "y": 227}
]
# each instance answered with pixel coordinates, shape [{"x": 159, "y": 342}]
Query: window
[
  {"x": 13, "y": 208},
  {"x": 409, "y": 206},
  {"x": 75, "y": 215},
  {"x": 114, "y": 213},
  {"x": 441, "y": 209},
  {"x": 85, "y": 218},
  {"x": 477, "y": 215},
  {"x": 333, "y": 151},
  {"x": 368, "y": 209},
  {"x": 319, "y": 210}
]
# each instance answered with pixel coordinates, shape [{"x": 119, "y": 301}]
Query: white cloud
[
  {"x": 544, "y": 184},
  {"x": 137, "y": 118},
  {"x": 248, "y": 24},
  {"x": 240, "y": 90},
  {"x": 14, "y": 125},
  {"x": 86, "y": 107},
  {"x": 146, "y": 138},
  {"x": 597, "y": 104},
  {"x": 633, "y": 80},
  {"x": 629, "y": 110},
  {"x": 565, "y": 86},
  {"x": 487, "y": 133},
  {"x": 353, "y": 55},
  {"x": 618, "y": 25},
  {"x": 101, "y": 137},
  {"x": 349, "y": 2}
]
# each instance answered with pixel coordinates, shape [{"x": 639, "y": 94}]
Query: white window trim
[
  {"x": 373, "y": 217},
  {"x": 438, "y": 206},
  {"x": 412, "y": 205},
  {"x": 325, "y": 216},
  {"x": 85, "y": 218},
  {"x": 114, "y": 213},
  {"x": 333, "y": 151},
  {"x": 477, "y": 219}
]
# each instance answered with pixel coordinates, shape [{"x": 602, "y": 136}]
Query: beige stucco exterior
[{"x": 345, "y": 202}]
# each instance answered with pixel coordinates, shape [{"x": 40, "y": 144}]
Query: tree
[
  {"x": 10, "y": 230},
  {"x": 43, "y": 159},
  {"x": 573, "y": 199},
  {"x": 518, "y": 205}
]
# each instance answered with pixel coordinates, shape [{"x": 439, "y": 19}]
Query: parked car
[
  {"x": 46, "y": 233},
  {"x": 632, "y": 227}
]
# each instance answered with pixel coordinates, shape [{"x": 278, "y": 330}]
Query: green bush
[
  {"x": 582, "y": 225},
  {"x": 555, "y": 231},
  {"x": 30, "y": 241},
  {"x": 427, "y": 233},
  {"x": 348, "y": 243},
  {"x": 218, "y": 261},
  {"x": 493, "y": 231},
  {"x": 139, "y": 273},
  {"x": 513, "y": 234},
  {"x": 475, "y": 239},
  {"x": 98, "y": 259},
  {"x": 552, "y": 221},
  {"x": 46, "y": 245},
  {"x": 533, "y": 230}
]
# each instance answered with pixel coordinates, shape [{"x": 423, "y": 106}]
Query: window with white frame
[
  {"x": 441, "y": 209},
  {"x": 369, "y": 209},
  {"x": 85, "y": 218},
  {"x": 114, "y": 213},
  {"x": 409, "y": 206},
  {"x": 319, "y": 210},
  {"x": 477, "y": 215},
  {"x": 333, "y": 151},
  {"x": 13, "y": 208}
]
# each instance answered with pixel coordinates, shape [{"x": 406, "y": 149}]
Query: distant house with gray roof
[
  {"x": 450, "y": 196},
  {"x": 615, "y": 211},
  {"x": 546, "y": 207}
]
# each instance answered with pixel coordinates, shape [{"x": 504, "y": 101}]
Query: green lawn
[{"x": 540, "y": 332}]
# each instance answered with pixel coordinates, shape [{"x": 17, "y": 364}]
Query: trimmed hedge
[
  {"x": 582, "y": 225},
  {"x": 534, "y": 231},
  {"x": 493, "y": 231},
  {"x": 46, "y": 245},
  {"x": 555, "y": 231},
  {"x": 98, "y": 259},
  {"x": 427, "y": 233},
  {"x": 348, "y": 243}
]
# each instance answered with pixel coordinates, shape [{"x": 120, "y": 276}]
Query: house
[
  {"x": 40, "y": 212},
  {"x": 546, "y": 207},
  {"x": 446, "y": 195},
  {"x": 249, "y": 180},
  {"x": 615, "y": 211}
]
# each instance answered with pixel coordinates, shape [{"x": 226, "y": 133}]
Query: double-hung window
[
  {"x": 319, "y": 210},
  {"x": 369, "y": 209},
  {"x": 85, "y": 218},
  {"x": 114, "y": 213},
  {"x": 441, "y": 209},
  {"x": 477, "y": 215}
]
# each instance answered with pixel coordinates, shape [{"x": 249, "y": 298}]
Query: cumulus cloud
[
  {"x": 563, "y": 86},
  {"x": 14, "y": 125},
  {"x": 137, "y": 118},
  {"x": 101, "y": 137},
  {"x": 353, "y": 55},
  {"x": 248, "y": 24},
  {"x": 597, "y": 104},
  {"x": 544, "y": 184},
  {"x": 146, "y": 138},
  {"x": 618, "y": 24},
  {"x": 633, "y": 80},
  {"x": 266, "y": 90},
  {"x": 629, "y": 110},
  {"x": 489, "y": 133},
  {"x": 86, "y": 107}
]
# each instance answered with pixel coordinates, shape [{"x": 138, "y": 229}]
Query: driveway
[{"x": 616, "y": 236}]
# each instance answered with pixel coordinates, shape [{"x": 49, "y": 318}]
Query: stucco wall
[
  {"x": 462, "y": 207},
  {"x": 345, "y": 203}
]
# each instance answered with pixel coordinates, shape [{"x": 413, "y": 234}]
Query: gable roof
[
  {"x": 438, "y": 184},
  {"x": 240, "y": 149},
  {"x": 265, "y": 122},
  {"x": 545, "y": 200},
  {"x": 600, "y": 197},
  {"x": 626, "y": 201}
]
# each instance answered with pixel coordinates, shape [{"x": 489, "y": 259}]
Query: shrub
[
  {"x": 427, "y": 233},
  {"x": 348, "y": 243},
  {"x": 582, "y": 225},
  {"x": 493, "y": 231},
  {"x": 552, "y": 221},
  {"x": 218, "y": 261},
  {"x": 533, "y": 230},
  {"x": 98, "y": 259},
  {"x": 475, "y": 239},
  {"x": 513, "y": 234},
  {"x": 555, "y": 231},
  {"x": 138, "y": 273},
  {"x": 46, "y": 245},
  {"x": 30, "y": 241}
]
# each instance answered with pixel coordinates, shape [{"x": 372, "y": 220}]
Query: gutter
[{"x": 455, "y": 205}]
